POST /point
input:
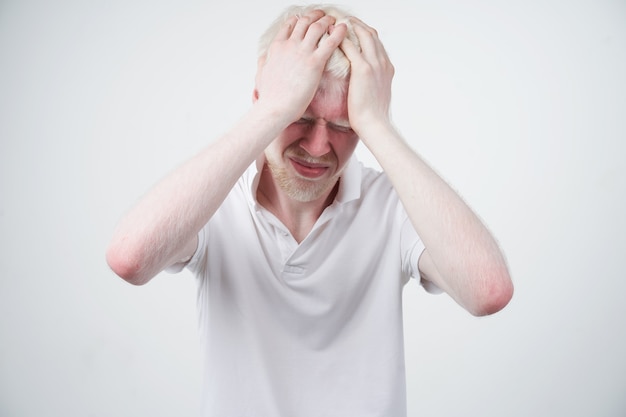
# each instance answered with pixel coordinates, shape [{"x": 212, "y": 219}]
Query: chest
[{"x": 345, "y": 250}]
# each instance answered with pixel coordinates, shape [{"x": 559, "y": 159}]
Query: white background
[{"x": 521, "y": 105}]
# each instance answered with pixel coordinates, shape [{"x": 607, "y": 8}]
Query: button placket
[{"x": 286, "y": 243}]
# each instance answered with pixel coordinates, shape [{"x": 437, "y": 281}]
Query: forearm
[
  {"x": 152, "y": 234},
  {"x": 470, "y": 265},
  {"x": 156, "y": 233}
]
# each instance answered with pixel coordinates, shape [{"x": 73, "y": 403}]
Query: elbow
[
  {"x": 494, "y": 294},
  {"x": 125, "y": 265}
]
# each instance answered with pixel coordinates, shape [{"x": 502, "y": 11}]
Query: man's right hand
[
  {"x": 289, "y": 75},
  {"x": 162, "y": 228}
]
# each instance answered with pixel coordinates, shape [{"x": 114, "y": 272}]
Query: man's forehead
[
  {"x": 329, "y": 104},
  {"x": 331, "y": 85}
]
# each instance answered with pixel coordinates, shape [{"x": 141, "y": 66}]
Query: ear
[{"x": 259, "y": 67}]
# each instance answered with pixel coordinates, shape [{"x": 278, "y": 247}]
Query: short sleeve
[
  {"x": 198, "y": 258},
  {"x": 193, "y": 261},
  {"x": 412, "y": 248}
]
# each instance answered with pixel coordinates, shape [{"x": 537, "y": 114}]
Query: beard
[{"x": 296, "y": 186}]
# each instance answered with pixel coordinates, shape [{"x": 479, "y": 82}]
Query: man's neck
[{"x": 299, "y": 217}]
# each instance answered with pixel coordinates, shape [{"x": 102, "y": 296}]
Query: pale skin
[{"x": 307, "y": 136}]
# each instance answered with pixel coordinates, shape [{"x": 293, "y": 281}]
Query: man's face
[{"x": 308, "y": 157}]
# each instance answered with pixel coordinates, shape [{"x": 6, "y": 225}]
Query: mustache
[{"x": 297, "y": 152}]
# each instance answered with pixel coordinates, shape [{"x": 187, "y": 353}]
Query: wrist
[
  {"x": 282, "y": 113},
  {"x": 376, "y": 131},
  {"x": 272, "y": 116}
]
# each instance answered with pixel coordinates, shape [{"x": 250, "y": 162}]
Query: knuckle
[
  {"x": 318, "y": 25},
  {"x": 305, "y": 20},
  {"x": 367, "y": 70}
]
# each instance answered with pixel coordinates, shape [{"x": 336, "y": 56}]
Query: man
[{"x": 301, "y": 253}]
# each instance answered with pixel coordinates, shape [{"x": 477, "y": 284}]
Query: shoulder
[{"x": 374, "y": 181}]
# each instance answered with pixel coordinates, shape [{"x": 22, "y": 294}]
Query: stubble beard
[{"x": 297, "y": 187}]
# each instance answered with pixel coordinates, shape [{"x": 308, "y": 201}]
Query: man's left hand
[{"x": 371, "y": 73}]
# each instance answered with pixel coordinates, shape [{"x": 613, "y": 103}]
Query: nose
[{"x": 316, "y": 139}]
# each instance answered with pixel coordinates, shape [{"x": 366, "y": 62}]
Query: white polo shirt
[{"x": 311, "y": 329}]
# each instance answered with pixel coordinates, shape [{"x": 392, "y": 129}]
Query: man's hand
[
  {"x": 288, "y": 77},
  {"x": 461, "y": 256},
  {"x": 369, "y": 92}
]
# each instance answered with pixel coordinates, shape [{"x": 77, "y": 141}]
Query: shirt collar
[{"x": 349, "y": 183}]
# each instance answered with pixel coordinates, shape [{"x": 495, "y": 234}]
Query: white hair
[{"x": 338, "y": 65}]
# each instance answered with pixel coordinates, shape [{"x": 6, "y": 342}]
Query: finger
[
  {"x": 371, "y": 46},
  {"x": 286, "y": 28},
  {"x": 350, "y": 50},
  {"x": 318, "y": 29},
  {"x": 337, "y": 36},
  {"x": 303, "y": 23},
  {"x": 358, "y": 22}
]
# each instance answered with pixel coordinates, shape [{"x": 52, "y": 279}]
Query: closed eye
[
  {"x": 305, "y": 121},
  {"x": 340, "y": 128}
]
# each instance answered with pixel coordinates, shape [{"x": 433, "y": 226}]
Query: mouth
[{"x": 308, "y": 169}]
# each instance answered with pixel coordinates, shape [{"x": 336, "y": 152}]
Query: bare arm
[
  {"x": 162, "y": 228},
  {"x": 461, "y": 256}
]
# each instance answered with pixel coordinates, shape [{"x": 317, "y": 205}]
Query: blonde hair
[{"x": 338, "y": 65}]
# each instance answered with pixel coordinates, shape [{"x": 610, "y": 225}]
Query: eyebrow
[{"x": 338, "y": 122}]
